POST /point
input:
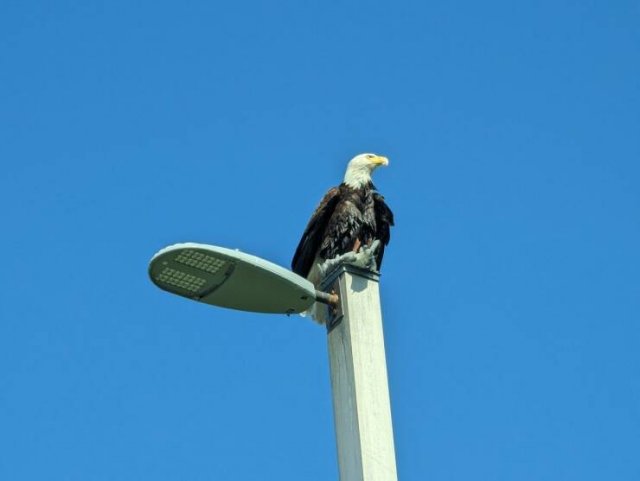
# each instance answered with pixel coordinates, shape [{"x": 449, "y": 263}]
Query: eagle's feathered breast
[{"x": 352, "y": 220}]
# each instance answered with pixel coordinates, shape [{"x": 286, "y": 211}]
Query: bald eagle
[{"x": 352, "y": 223}]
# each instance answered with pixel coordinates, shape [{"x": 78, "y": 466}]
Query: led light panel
[
  {"x": 180, "y": 279},
  {"x": 199, "y": 260}
]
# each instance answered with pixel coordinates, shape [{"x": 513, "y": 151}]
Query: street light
[
  {"x": 233, "y": 279},
  {"x": 230, "y": 278}
]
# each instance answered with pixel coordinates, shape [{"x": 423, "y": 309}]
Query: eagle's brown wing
[
  {"x": 384, "y": 221},
  {"x": 313, "y": 234}
]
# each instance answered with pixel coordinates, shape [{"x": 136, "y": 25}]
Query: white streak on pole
[{"x": 362, "y": 410}]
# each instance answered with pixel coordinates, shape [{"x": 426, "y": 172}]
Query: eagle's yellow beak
[{"x": 380, "y": 160}]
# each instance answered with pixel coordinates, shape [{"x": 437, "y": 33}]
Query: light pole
[
  {"x": 362, "y": 411},
  {"x": 230, "y": 278}
]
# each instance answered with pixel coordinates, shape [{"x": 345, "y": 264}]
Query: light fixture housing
[{"x": 230, "y": 278}]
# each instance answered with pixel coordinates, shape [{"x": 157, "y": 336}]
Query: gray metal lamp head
[{"x": 230, "y": 278}]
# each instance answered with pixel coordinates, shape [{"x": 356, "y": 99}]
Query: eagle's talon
[
  {"x": 365, "y": 258},
  {"x": 347, "y": 258}
]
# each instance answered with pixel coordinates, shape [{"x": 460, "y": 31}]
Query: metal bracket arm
[{"x": 330, "y": 299}]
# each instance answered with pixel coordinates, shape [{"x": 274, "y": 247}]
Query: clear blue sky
[{"x": 511, "y": 288}]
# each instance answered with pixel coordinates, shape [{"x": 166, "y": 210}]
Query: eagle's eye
[{"x": 369, "y": 156}]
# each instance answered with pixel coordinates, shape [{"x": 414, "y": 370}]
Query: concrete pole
[{"x": 361, "y": 406}]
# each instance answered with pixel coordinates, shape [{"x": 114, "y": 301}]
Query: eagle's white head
[{"x": 360, "y": 168}]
